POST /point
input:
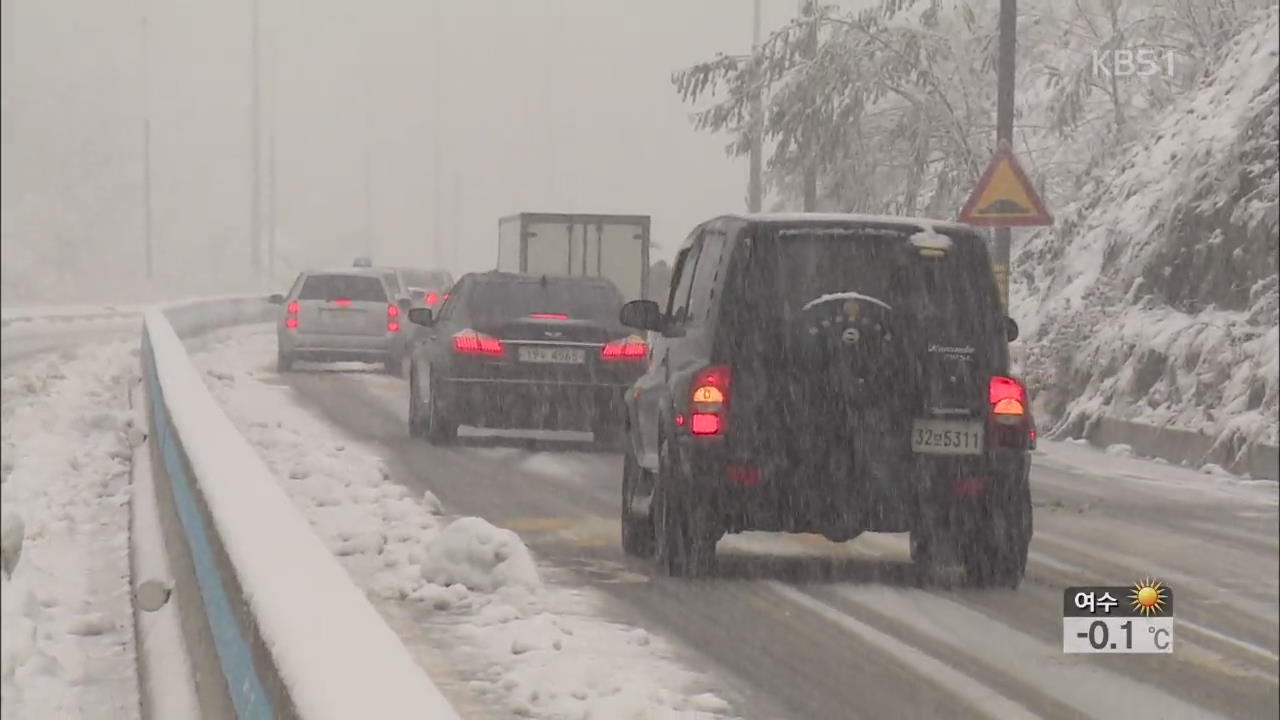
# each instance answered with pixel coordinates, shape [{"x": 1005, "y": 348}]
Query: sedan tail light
[
  {"x": 470, "y": 342},
  {"x": 631, "y": 349},
  {"x": 430, "y": 299}
]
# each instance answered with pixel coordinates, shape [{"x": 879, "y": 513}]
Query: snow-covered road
[{"x": 793, "y": 626}]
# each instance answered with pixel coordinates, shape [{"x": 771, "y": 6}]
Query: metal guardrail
[{"x": 272, "y": 623}]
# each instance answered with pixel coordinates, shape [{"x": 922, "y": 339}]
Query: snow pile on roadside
[
  {"x": 479, "y": 556},
  {"x": 534, "y": 648},
  {"x": 68, "y": 629}
]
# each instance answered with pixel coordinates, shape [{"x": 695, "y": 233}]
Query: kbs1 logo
[{"x": 1134, "y": 62}]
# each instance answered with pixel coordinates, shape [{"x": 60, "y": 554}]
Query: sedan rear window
[
  {"x": 357, "y": 288},
  {"x": 580, "y": 301}
]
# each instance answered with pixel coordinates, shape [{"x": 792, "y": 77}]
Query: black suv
[
  {"x": 832, "y": 374},
  {"x": 510, "y": 350}
]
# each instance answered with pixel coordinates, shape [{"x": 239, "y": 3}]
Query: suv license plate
[
  {"x": 948, "y": 437},
  {"x": 564, "y": 356}
]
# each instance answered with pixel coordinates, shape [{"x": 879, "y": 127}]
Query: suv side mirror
[
  {"x": 421, "y": 316},
  {"x": 276, "y": 299},
  {"x": 641, "y": 315},
  {"x": 1010, "y": 329}
]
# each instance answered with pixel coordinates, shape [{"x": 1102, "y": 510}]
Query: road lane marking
[
  {"x": 1092, "y": 690},
  {"x": 975, "y": 694}
]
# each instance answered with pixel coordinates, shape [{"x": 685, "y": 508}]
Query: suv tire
[
  {"x": 683, "y": 546},
  {"x": 637, "y": 532},
  {"x": 394, "y": 366}
]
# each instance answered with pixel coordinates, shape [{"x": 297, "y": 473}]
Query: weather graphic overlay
[{"x": 1120, "y": 619}]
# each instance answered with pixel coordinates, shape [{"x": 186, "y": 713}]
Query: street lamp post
[
  {"x": 147, "y": 250},
  {"x": 255, "y": 146}
]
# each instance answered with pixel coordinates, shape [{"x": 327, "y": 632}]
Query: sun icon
[{"x": 1148, "y": 597}]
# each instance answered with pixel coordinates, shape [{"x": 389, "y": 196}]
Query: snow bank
[
  {"x": 68, "y": 649},
  {"x": 334, "y": 655},
  {"x": 530, "y": 647}
]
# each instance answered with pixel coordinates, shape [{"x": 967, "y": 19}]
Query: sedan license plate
[
  {"x": 562, "y": 355},
  {"x": 947, "y": 437}
]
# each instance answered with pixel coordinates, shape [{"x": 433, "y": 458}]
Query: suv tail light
[
  {"x": 548, "y": 316},
  {"x": 709, "y": 400},
  {"x": 393, "y": 318},
  {"x": 470, "y": 342},
  {"x": 632, "y": 348},
  {"x": 430, "y": 299},
  {"x": 1008, "y": 399},
  {"x": 291, "y": 315}
]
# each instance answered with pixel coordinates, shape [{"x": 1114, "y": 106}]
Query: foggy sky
[{"x": 542, "y": 105}]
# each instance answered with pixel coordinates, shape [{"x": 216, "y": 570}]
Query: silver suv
[{"x": 342, "y": 315}]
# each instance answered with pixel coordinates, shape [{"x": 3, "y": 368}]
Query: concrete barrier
[
  {"x": 1185, "y": 447},
  {"x": 271, "y": 622}
]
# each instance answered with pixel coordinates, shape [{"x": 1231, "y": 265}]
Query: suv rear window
[
  {"x": 580, "y": 301},
  {"x": 793, "y": 267},
  {"x": 357, "y": 288}
]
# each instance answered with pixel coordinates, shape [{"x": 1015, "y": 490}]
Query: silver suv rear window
[{"x": 356, "y": 288}]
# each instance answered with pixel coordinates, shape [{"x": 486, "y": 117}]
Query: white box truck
[{"x": 611, "y": 246}]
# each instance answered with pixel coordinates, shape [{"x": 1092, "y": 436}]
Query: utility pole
[
  {"x": 272, "y": 78},
  {"x": 368, "y": 200},
  {"x": 437, "y": 37},
  {"x": 255, "y": 146},
  {"x": 755, "y": 188},
  {"x": 1005, "y": 67},
  {"x": 809, "y": 9},
  {"x": 147, "y": 222}
]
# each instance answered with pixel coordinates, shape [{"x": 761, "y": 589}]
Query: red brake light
[
  {"x": 291, "y": 322},
  {"x": 548, "y": 316},
  {"x": 708, "y": 400},
  {"x": 292, "y": 308},
  {"x": 291, "y": 318},
  {"x": 470, "y": 342},
  {"x": 1007, "y": 397},
  {"x": 393, "y": 324},
  {"x": 431, "y": 299},
  {"x": 341, "y": 302},
  {"x": 632, "y": 348}
]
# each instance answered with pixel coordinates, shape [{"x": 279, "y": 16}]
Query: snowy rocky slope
[{"x": 1154, "y": 298}]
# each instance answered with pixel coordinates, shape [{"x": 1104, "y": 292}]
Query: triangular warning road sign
[{"x": 1004, "y": 196}]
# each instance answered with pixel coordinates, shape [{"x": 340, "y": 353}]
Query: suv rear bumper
[
  {"x": 512, "y": 403},
  {"x": 888, "y": 495},
  {"x": 323, "y": 347}
]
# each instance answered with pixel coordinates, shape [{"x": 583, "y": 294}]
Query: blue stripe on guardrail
[{"x": 248, "y": 694}]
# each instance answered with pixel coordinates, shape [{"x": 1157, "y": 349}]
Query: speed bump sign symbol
[{"x": 1004, "y": 196}]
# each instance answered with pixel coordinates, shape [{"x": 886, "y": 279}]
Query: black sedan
[{"x": 511, "y": 350}]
